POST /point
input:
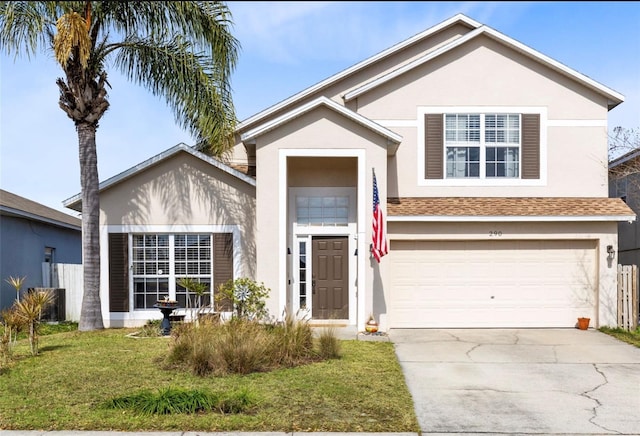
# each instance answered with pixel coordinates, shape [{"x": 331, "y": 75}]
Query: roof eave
[
  {"x": 459, "y": 18},
  {"x": 485, "y": 218},
  {"x": 32, "y": 216},
  {"x": 613, "y": 98},
  {"x": 393, "y": 139},
  {"x": 75, "y": 202}
]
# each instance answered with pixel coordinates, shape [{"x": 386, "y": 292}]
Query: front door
[{"x": 330, "y": 277}]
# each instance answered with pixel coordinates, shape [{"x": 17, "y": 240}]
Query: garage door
[{"x": 491, "y": 283}]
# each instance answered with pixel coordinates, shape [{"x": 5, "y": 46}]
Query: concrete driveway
[{"x": 529, "y": 381}]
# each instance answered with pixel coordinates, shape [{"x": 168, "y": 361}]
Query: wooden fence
[{"x": 628, "y": 297}]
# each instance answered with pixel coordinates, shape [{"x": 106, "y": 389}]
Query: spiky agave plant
[
  {"x": 17, "y": 283},
  {"x": 12, "y": 324},
  {"x": 29, "y": 309}
]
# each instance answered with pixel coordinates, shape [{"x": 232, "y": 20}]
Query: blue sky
[{"x": 286, "y": 47}]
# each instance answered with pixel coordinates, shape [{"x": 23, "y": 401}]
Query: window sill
[{"x": 482, "y": 182}]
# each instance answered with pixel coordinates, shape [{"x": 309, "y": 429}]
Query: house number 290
[{"x": 495, "y": 233}]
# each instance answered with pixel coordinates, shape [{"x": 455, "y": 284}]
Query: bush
[
  {"x": 243, "y": 346},
  {"x": 293, "y": 342},
  {"x": 30, "y": 309},
  {"x": 246, "y": 297},
  {"x": 12, "y": 324},
  {"x": 238, "y": 346},
  {"x": 328, "y": 344}
]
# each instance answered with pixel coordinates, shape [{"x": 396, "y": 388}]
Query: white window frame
[
  {"x": 482, "y": 182},
  {"x": 482, "y": 145},
  {"x": 171, "y": 275}
]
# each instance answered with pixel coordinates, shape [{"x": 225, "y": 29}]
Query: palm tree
[{"x": 182, "y": 51}]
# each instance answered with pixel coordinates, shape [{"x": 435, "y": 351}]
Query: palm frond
[
  {"x": 191, "y": 82},
  {"x": 24, "y": 25}
]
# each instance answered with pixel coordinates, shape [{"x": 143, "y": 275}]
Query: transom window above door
[
  {"x": 482, "y": 145},
  {"x": 322, "y": 210}
]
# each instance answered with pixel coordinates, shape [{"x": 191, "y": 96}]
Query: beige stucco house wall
[
  {"x": 180, "y": 191},
  {"x": 534, "y": 249},
  {"x": 458, "y": 66}
]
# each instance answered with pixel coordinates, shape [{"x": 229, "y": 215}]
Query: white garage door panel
[{"x": 491, "y": 283}]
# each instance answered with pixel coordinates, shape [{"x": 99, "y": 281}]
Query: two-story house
[{"x": 490, "y": 162}]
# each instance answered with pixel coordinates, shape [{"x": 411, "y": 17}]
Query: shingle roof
[
  {"x": 14, "y": 204},
  {"x": 507, "y": 207}
]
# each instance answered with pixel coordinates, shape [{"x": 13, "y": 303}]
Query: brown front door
[{"x": 330, "y": 279}]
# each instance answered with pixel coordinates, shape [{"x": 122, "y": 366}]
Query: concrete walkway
[{"x": 539, "y": 381}]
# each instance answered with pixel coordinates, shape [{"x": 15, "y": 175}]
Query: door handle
[{"x": 313, "y": 286}]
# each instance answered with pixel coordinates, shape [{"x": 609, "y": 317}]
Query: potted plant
[{"x": 583, "y": 323}]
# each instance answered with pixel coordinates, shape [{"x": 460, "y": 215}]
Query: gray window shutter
[
  {"x": 434, "y": 146},
  {"x": 530, "y": 146},
  {"x": 118, "y": 272},
  {"x": 222, "y": 263}
]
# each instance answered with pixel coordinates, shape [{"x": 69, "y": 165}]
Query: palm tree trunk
[{"x": 91, "y": 313}]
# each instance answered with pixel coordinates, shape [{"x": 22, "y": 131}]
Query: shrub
[
  {"x": 30, "y": 309},
  {"x": 238, "y": 346},
  {"x": 12, "y": 324},
  {"x": 198, "y": 289},
  {"x": 328, "y": 344},
  {"x": 293, "y": 341},
  {"x": 245, "y": 347},
  {"x": 247, "y": 298},
  {"x": 17, "y": 283}
]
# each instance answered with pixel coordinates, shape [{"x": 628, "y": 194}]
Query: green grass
[
  {"x": 76, "y": 373},
  {"x": 46, "y": 328},
  {"x": 630, "y": 337}
]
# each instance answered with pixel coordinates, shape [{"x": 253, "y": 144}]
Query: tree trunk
[{"x": 91, "y": 313}]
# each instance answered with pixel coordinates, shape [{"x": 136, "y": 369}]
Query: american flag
[{"x": 379, "y": 246}]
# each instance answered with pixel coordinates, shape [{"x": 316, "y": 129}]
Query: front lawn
[
  {"x": 76, "y": 373},
  {"x": 631, "y": 337}
]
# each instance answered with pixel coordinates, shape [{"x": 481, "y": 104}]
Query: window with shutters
[{"x": 482, "y": 145}]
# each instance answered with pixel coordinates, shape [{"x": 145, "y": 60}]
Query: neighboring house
[
  {"x": 624, "y": 183},
  {"x": 31, "y": 234},
  {"x": 490, "y": 161}
]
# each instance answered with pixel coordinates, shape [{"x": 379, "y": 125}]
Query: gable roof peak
[
  {"x": 75, "y": 202},
  {"x": 251, "y": 135},
  {"x": 614, "y": 98},
  {"x": 456, "y": 19}
]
